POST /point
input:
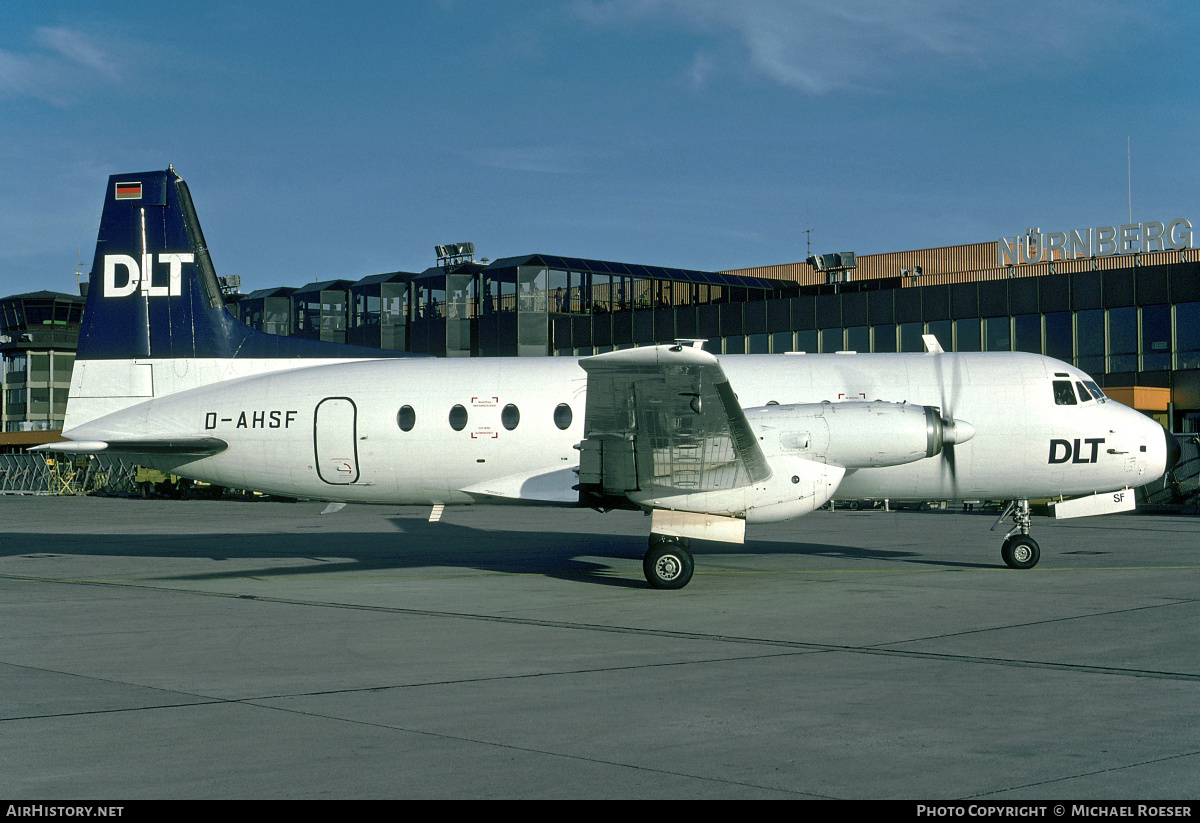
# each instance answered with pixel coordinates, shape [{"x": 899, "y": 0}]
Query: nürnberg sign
[{"x": 1101, "y": 241}]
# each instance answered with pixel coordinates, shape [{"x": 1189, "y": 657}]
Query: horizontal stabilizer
[{"x": 183, "y": 446}]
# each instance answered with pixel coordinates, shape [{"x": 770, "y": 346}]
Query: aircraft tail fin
[{"x": 153, "y": 291}]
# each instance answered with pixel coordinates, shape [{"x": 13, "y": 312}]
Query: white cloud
[
  {"x": 817, "y": 46},
  {"x": 17, "y": 75},
  {"x": 702, "y": 67},
  {"x": 78, "y": 49},
  {"x": 64, "y": 65}
]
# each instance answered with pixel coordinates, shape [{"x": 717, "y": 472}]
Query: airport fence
[{"x": 65, "y": 474}]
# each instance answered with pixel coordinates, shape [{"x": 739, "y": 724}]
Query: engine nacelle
[
  {"x": 796, "y": 486},
  {"x": 856, "y": 435}
]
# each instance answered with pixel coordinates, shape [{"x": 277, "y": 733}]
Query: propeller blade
[{"x": 954, "y": 431}]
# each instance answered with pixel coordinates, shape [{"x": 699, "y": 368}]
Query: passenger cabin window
[
  {"x": 510, "y": 417},
  {"x": 406, "y": 418},
  {"x": 1064, "y": 395},
  {"x": 563, "y": 416},
  {"x": 458, "y": 418}
]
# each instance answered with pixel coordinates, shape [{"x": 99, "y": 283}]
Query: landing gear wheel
[
  {"x": 668, "y": 563},
  {"x": 1020, "y": 552}
]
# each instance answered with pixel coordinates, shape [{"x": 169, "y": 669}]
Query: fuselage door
[{"x": 335, "y": 438}]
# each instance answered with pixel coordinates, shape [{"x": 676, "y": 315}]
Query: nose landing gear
[{"x": 1019, "y": 551}]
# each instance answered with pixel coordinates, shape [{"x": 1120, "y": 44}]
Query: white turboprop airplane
[{"x": 704, "y": 444}]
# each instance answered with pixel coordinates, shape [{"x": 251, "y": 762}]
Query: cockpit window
[
  {"x": 1064, "y": 395},
  {"x": 1084, "y": 394},
  {"x": 1095, "y": 390}
]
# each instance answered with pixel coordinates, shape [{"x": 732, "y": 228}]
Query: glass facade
[
  {"x": 1059, "y": 342},
  {"x": 1122, "y": 339},
  {"x": 1089, "y": 341},
  {"x": 943, "y": 330},
  {"x": 1134, "y": 326},
  {"x": 380, "y": 311},
  {"x": 998, "y": 333},
  {"x": 1027, "y": 330},
  {"x": 858, "y": 338},
  {"x": 1187, "y": 335},
  {"x": 268, "y": 310},
  {"x": 910, "y": 337},
  {"x": 1156, "y": 338},
  {"x": 38, "y": 335},
  {"x": 34, "y": 390},
  {"x": 883, "y": 338},
  {"x": 831, "y": 341},
  {"x": 319, "y": 311},
  {"x": 1097, "y": 321},
  {"x": 967, "y": 335}
]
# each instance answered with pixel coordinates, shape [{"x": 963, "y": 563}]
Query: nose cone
[
  {"x": 959, "y": 431},
  {"x": 1173, "y": 451}
]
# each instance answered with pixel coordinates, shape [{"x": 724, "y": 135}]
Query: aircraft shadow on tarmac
[{"x": 418, "y": 544}]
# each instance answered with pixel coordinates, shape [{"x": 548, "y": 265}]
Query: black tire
[
  {"x": 1020, "y": 552},
  {"x": 667, "y": 564}
]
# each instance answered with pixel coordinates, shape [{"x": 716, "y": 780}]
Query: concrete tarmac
[{"x": 221, "y": 649}]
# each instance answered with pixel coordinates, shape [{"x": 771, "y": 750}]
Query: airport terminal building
[
  {"x": 38, "y": 335},
  {"x": 1122, "y": 303}
]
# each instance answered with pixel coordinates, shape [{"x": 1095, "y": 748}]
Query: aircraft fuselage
[{"x": 494, "y": 428}]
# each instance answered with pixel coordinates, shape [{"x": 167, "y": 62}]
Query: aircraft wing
[
  {"x": 182, "y": 446},
  {"x": 664, "y": 420}
]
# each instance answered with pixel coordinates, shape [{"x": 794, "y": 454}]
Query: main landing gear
[
  {"x": 1019, "y": 551},
  {"x": 668, "y": 563}
]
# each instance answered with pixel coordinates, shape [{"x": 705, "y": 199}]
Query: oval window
[
  {"x": 510, "y": 417},
  {"x": 562, "y": 416},
  {"x": 406, "y": 418},
  {"x": 458, "y": 418}
]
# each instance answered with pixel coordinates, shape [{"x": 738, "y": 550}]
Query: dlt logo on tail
[{"x": 142, "y": 277}]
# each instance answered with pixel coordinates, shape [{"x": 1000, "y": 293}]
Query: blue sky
[{"x": 326, "y": 140}]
